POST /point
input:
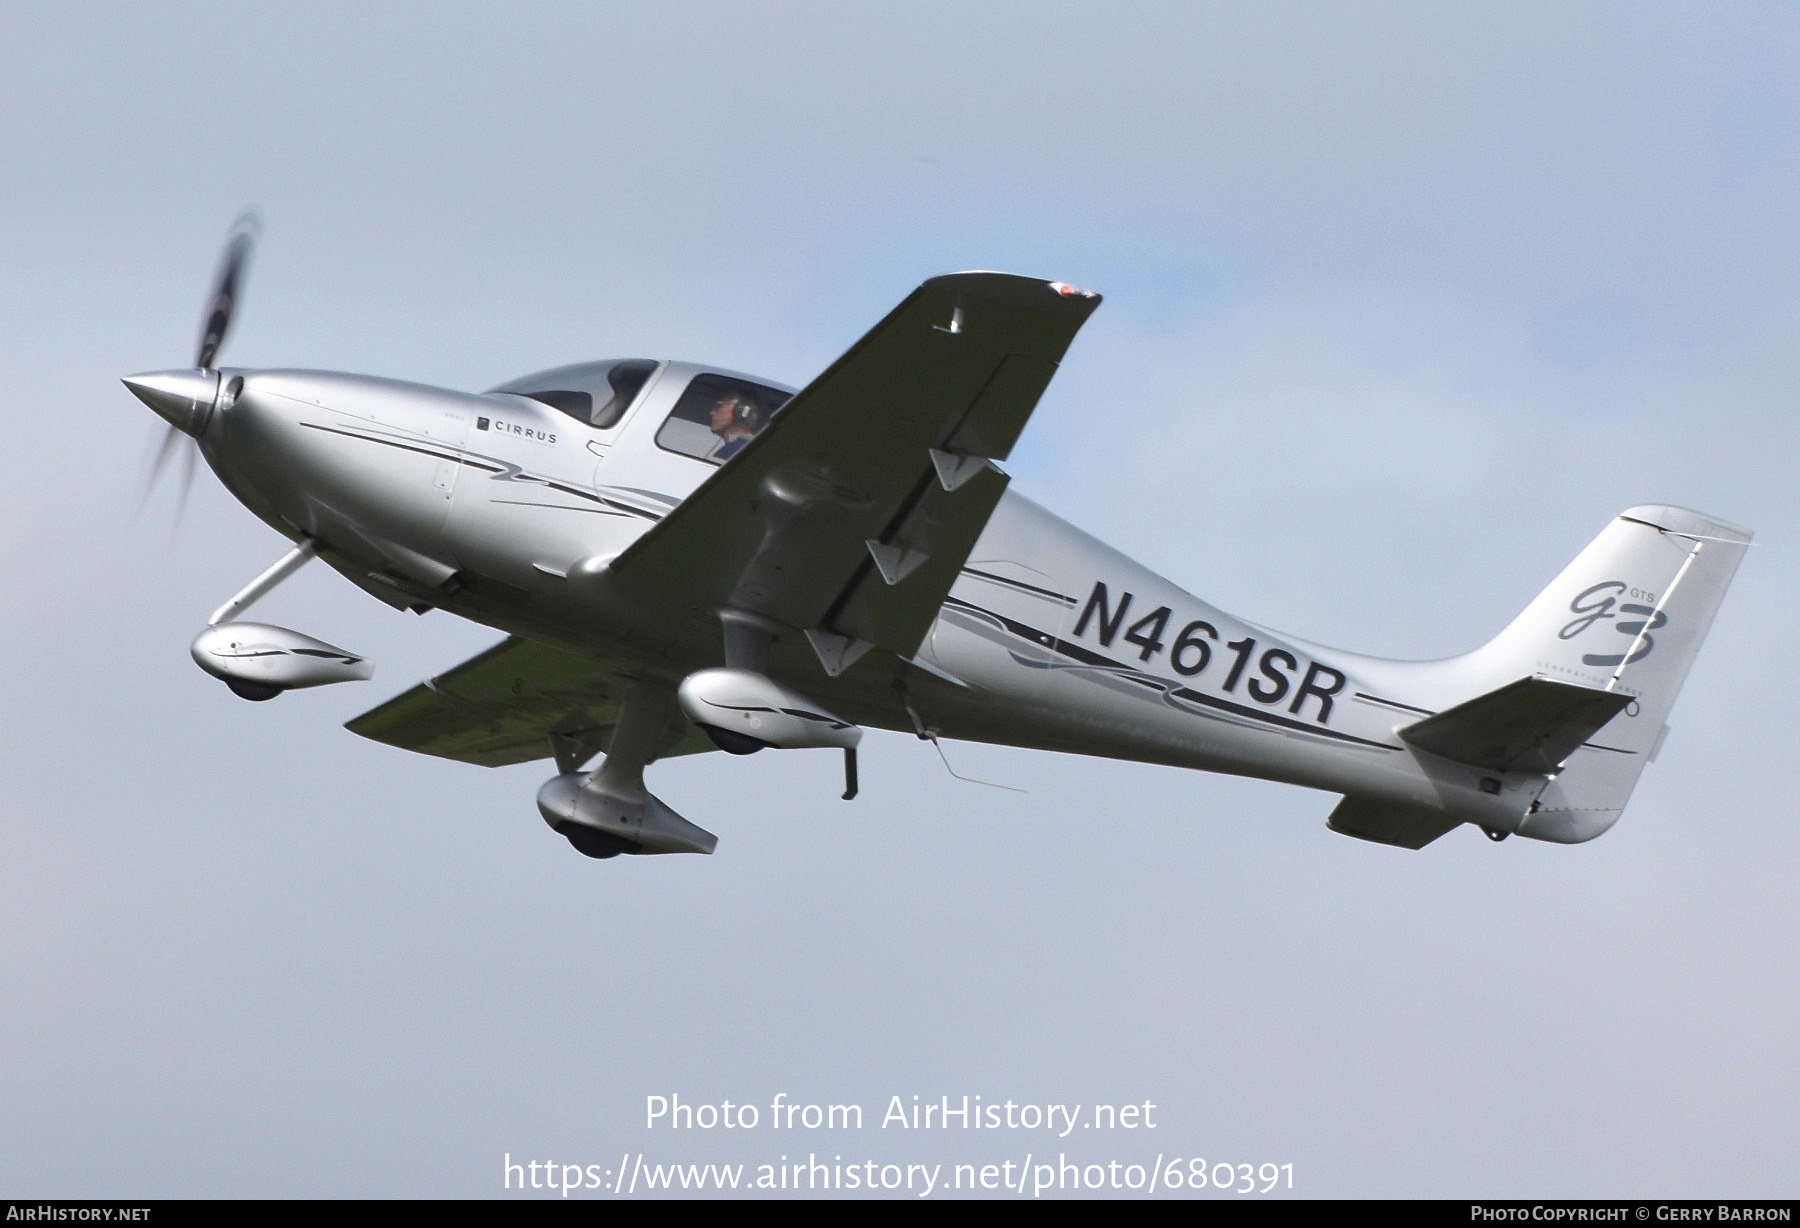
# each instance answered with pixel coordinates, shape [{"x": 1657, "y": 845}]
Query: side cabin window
[
  {"x": 597, "y": 394},
  {"x": 717, "y": 415}
]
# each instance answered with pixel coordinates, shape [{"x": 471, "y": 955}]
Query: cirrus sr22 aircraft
[{"x": 685, "y": 558}]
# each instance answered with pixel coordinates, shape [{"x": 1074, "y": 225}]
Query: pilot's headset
[{"x": 747, "y": 413}]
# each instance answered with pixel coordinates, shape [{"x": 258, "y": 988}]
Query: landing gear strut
[
  {"x": 258, "y": 661},
  {"x": 609, "y": 811}
]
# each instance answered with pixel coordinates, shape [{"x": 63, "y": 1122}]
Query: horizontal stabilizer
[
  {"x": 1532, "y": 725},
  {"x": 1387, "y": 823}
]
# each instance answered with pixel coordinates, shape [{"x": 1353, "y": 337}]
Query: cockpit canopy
[
  {"x": 715, "y": 414},
  {"x": 595, "y": 393}
]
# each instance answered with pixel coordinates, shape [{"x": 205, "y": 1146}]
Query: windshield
[{"x": 595, "y": 393}]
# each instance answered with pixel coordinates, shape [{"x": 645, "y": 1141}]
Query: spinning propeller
[{"x": 186, "y": 398}]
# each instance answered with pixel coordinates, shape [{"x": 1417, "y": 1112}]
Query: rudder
[{"x": 1628, "y": 615}]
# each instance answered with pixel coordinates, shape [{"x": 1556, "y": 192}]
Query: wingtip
[{"x": 1018, "y": 287}]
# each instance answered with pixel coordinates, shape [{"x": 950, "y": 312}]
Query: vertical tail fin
[{"x": 1628, "y": 616}]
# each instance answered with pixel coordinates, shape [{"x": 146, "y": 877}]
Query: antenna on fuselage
[{"x": 927, "y": 734}]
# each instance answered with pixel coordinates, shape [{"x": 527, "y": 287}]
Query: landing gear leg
[
  {"x": 264, "y": 584},
  {"x": 258, "y": 661},
  {"x": 609, "y": 811}
]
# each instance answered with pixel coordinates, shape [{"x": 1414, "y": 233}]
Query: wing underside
[
  {"x": 514, "y": 703},
  {"x": 851, "y": 516}
]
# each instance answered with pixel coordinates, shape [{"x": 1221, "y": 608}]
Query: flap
[
  {"x": 854, "y": 511},
  {"x": 1532, "y": 725},
  {"x": 516, "y": 702}
]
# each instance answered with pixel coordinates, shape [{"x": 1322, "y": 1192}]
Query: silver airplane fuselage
[{"x": 503, "y": 509}]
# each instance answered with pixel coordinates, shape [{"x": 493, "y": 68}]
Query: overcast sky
[{"x": 1403, "y": 303}]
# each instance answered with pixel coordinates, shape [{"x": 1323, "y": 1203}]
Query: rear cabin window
[{"x": 717, "y": 415}]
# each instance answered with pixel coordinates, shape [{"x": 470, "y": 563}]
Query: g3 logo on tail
[{"x": 1600, "y": 602}]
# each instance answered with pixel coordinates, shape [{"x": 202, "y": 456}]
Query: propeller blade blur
[
  {"x": 169, "y": 443},
  {"x": 190, "y": 464},
  {"x": 227, "y": 286}
]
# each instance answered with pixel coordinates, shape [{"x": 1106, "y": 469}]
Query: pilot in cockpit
[{"x": 736, "y": 420}]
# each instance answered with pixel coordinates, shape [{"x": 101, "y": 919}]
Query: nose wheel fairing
[{"x": 259, "y": 661}]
